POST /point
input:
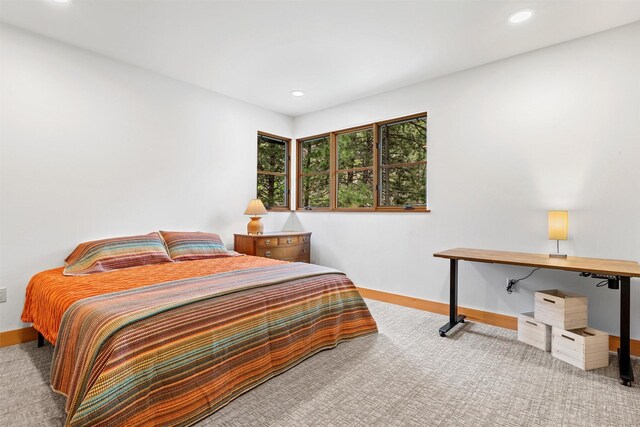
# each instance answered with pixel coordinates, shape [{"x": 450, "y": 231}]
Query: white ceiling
[{"x": 335, "y": 51}]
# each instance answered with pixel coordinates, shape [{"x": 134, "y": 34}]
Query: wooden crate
[
  {"x": 534, "y": 332},
  {"x": 584, "y": 348},
  {"x": 561, "y": 309}
]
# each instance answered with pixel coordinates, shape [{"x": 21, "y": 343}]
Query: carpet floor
[{"x": 405, "y": 375}]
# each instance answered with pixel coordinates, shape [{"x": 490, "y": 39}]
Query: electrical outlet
[
  {"x": 3, "y": 294},
  {"x": 509, "y": 287}
]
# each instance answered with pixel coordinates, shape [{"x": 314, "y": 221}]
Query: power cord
[
  {"x": 513, "y": 282},
  {"x": 609, "y": 280}
]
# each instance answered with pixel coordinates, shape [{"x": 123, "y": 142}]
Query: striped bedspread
[{"x": 173, "y": 353}]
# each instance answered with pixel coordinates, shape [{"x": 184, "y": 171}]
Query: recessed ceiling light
[
  {"x": 520, "y": 16},
  {"x": 297, "y": 93}
]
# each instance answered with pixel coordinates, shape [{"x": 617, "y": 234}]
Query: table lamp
[
  {"x": 558, "y": 230},
  {"x": 255, "y": 209}
]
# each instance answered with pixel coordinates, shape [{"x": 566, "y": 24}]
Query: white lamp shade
[
  {"x": 255, "y": 208},
  {"x": 558, "y": 225}
]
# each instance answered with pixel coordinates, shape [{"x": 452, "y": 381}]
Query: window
[
  {"x": 378, "y": 167},
  {"x": 314, "y": 172},
  {"x": 273, "y": 171},
  {"x": 403, "y": 163},
  {"x": 355, "y": 169}
]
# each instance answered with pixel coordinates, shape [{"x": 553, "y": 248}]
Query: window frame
[
  {"x": 379, "y": 125},
  {"x": 286, "y": 174},
  {"x": 300, "y": 174},
  {"x": 373, "y": 167},
  {"x": 333, "y": 171}
]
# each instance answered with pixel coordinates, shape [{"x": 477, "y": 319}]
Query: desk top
[{"x": 590, "y": 265}]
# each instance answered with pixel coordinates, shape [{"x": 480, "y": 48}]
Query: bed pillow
[
  {"x": 116, "y": 253},
  {"x": 192, "y": 245}
]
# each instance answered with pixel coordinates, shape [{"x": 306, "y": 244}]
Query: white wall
[
  {"x": 557, "y": 128},
  {"x": 94, "y": 148}
]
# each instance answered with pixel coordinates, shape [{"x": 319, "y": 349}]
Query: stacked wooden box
[{"x": 559, "y": 324}]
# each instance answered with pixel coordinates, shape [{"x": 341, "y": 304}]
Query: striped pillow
[
  {"x": 115, "y": 254},
  {"x": 185, "y": 245}
]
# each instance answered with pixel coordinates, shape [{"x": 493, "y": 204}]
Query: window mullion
[
  {"x": 303, "y": 174},
  {"x": 333, "y": 181},
  {"x": 359, "y": 169},
  {"x": 376, "y": 186},
  {"x": 272, "y": 173}
]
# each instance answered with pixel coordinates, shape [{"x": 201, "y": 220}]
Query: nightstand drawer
[
  {"x": 284, "y": 252},
  {"x": 267, "y": 242},
  {"x": 271, "y": 242},
  {"x": 288, "y": 241}
]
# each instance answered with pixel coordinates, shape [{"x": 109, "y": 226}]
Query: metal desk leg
[
  {"x": 624, "y": 359},
  {"x": 454, "y": 319}
]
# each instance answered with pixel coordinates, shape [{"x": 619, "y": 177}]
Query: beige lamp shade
[
  {"x": 255, "y": 208},
  {"x": 558, "y": 225}
]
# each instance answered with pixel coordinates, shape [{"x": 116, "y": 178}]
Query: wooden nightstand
[{"x": 285, "y": 245}]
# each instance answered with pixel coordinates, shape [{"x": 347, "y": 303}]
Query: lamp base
[
  {"x": 255, "y": 226},
  {"x": 557, "y": 255}
]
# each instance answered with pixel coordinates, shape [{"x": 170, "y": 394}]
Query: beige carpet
[{"x": 405, "y": 375}]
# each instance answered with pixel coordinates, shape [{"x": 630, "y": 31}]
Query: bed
[{"x": 169, "y": 344}]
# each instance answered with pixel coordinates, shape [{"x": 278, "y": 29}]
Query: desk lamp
[{"x": 558, "y": 230}]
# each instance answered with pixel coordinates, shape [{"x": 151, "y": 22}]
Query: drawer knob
[
  {"x": 267, "y": 242},
  {"x": 267, "y": 253},
  {"x": 304, "y": 250},
  {"x": 289, "y": 240},
  {"x": 304, "y": 239}
]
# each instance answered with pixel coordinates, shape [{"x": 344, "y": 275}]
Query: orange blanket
[{"x": 49, "y": 293}]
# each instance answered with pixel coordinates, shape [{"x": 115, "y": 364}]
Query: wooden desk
[{"x": 622, "y": 270}]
